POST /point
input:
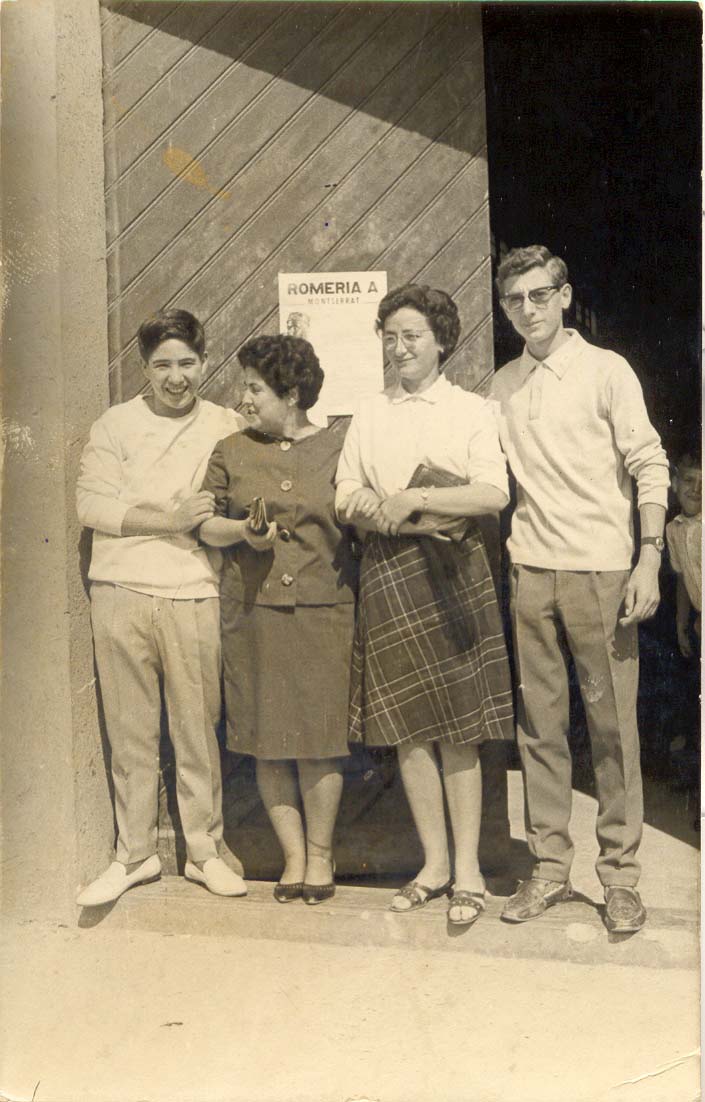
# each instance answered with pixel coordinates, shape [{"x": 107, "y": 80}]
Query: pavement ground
[{"x": 172, "y": 995}]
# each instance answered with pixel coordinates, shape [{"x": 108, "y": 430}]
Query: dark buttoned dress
[{"x": 286, "y": 613}]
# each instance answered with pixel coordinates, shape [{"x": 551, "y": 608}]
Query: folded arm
[
  {"x": 435, "y": 508},
  {"x": 98, "y": 496},
  {"x": 439, "y": 503},
  {"x": 224, "y": 532},
  {"x": 145, "y": 520}
]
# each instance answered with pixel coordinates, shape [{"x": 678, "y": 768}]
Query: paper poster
[{"x": 336, "y": 312}]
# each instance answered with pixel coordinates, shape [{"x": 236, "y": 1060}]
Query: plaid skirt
[{"x": 429, "y": 657}]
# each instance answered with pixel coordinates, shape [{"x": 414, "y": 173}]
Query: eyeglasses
[
  {"x": 540, "y": 296},
  {"x": 410, "y": 338}
]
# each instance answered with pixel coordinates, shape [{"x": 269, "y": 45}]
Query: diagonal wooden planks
[{"x": 244, "y": 139}]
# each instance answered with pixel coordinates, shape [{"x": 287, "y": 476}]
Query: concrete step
[
  {"x": 359, "y": 916},
  {"x": 375, "y": 833}
]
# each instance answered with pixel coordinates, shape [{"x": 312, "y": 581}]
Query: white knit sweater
[{"x": 134, "y": 457}]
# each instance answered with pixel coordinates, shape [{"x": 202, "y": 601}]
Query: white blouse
[{"x": 393, "y": 432}]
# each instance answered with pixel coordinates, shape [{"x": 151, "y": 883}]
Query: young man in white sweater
[
  {"x": 573, "y": 424},
  {"x": 155, "y": 607}
]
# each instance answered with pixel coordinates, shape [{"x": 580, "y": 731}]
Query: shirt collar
[
  {"x": 558, "y": 361},
  {"x": 431, "y": 394},
  {"x": 681, "y": 518}
]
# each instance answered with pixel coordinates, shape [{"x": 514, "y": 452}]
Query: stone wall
[{"x": 56, "y": 812}]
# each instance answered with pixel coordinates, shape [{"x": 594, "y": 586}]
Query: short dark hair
[
  {"x": 691, "y": 457},
  {"x": 518, "y": 261},
  {"x": 436, "y": 306},
  {"x": 168, "y": 325},
  {"x": 285, "y": 362}
]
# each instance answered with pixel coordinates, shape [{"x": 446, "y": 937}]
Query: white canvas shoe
[
  {"x": 217, "y": 877},
  {"x": 116, "y": 879}
]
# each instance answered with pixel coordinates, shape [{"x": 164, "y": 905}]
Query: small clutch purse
[
  {"x": 441, "y": 558},
  {"x": 258, "y": 519},
  {"x": 435, "y": 478}
]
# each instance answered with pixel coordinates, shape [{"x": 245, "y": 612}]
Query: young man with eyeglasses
[{"x": 574, "y": 426}]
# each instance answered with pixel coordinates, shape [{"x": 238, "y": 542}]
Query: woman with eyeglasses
[{"x": 430, "y": 673}]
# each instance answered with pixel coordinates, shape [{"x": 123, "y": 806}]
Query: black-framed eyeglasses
[{"x": 540, "y": 296}]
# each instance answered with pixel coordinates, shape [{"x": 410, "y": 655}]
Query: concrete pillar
[{"x": 56, "y": 811}]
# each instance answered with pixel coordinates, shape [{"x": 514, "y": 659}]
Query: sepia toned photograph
[{"x": 351, "y": 551}]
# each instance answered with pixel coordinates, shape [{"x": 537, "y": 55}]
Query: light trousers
[
  {"x": 144, "y": 645},
  {"x": 556, "y": 613}
]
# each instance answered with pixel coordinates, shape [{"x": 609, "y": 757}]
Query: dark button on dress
[{"x": 287, "y": 614}]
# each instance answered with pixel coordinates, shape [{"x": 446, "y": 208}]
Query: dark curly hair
[
  {"x": 436, "y": 306},
  {"x": 168, "y": 325},
  {"x": 284, "y": 363}
]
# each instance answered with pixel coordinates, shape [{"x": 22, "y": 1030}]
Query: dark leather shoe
[
  {"x": 624, "y": 911},
  {"x": 317, "y": 893},
  {"x": 287, "y": 893},
  {"x": 534, "y": 897}
]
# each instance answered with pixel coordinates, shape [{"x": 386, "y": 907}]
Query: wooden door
[{"x": 246, "y": 139}]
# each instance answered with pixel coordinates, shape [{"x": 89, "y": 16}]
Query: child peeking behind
[{"x": 684, "y": 536}]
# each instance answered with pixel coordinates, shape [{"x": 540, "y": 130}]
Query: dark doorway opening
[
  {"x": 594, "y": 149},
  {"x": 593, "y": 133}
]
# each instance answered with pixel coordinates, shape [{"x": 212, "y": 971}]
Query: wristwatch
[{"x": 657, "y": 541}]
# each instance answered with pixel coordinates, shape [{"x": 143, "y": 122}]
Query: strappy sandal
[
  {"x": 471, "y": 900},
  {"x": 413, "y": 891}
]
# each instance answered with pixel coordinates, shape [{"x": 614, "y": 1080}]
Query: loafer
[
  {"x": 216, "y": 876},
  {"x": 116, "y": 879},
  {"x": 624, "y": 911},
  {"x": 534, "y": 897}
]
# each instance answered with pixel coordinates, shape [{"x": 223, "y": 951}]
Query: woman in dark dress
[
  {"x": 430, "y": 671},
  {"x": 287, "y": 606}
]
